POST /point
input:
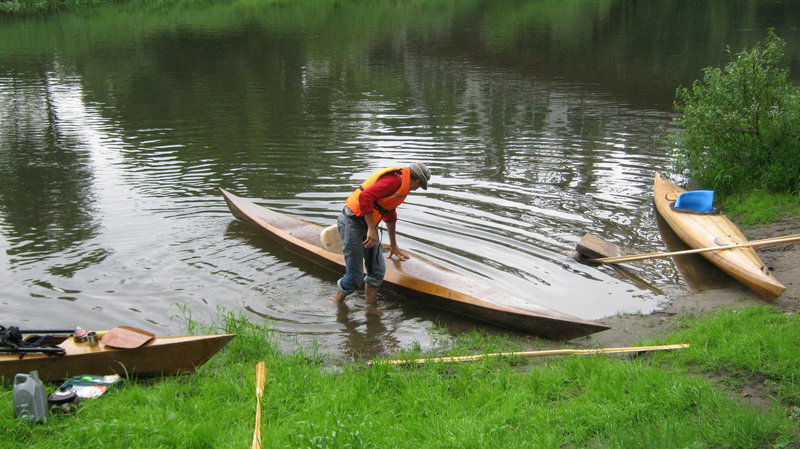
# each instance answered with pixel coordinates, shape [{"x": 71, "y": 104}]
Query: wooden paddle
[
  {"x": 261, "y": 379},
  {"x": 551, "y": 352},
  {"x": 126, "y": 337},
  {"x": 588, "y": 247}
]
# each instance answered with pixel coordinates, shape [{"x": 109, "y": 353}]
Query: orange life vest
[{"x": 382, "y": 205}]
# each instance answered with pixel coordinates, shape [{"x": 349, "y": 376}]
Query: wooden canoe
[
  {"x": 160, "y": 356},
  {"x": 704, "y": 230},
  {"x": 420, "y": 279}
]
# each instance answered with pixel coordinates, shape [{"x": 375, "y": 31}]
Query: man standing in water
[{"x": 375, "y": 200}]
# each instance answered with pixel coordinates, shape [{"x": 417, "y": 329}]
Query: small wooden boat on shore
[
  {"x": 160, "y": 356},
  {"x": 420, "y": 279},
  {"x": 710, "y": 229}
]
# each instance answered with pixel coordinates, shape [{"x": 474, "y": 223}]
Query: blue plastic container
[{"x": 696, "y": 200}]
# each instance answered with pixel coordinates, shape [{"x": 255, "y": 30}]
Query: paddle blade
[
  {"x": 126, "y": 337},
  {"x": 595, "y": 247}
]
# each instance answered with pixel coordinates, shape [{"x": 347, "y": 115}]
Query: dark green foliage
[{"x": 740, "y": 128}]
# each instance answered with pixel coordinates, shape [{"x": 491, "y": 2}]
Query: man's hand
[
  {"x": 372, "y": 237},
  {"x": 394, "y": 250}
]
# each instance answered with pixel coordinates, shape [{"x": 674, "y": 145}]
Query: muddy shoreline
[{"x": 784, "y": 260}]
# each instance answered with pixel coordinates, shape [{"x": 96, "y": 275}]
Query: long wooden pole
[
  {"x": 545, "y": 353},
  {"x": 751, "y": 243},
  {"x": 261, "y": 379}
]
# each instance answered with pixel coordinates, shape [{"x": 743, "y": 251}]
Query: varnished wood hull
[
  {"x": 160, "y": 356},
  {"x": 420, "y": 279},
  {"x": 700, "y": 230}
]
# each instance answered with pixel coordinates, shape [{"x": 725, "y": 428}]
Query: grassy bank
[
  {"x": 312, "y": 401},
  {"x": 760, "y": 207}
]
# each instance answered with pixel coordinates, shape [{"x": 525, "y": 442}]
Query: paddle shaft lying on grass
[
  {"x": 261, "y": 379},
  {"x": 633, "y": 257},
  {"x": 545, "y": 353}
]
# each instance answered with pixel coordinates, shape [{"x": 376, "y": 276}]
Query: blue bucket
[{"x": 696, "y": 200}]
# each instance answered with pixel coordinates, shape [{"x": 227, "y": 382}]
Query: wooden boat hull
[
  {"x": 160, "y": 356},
  {"x": 703, "y": 230},
  {"x": 420, "y": 279}
]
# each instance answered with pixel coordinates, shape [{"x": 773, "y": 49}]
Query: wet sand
[{"x": 784, "y": 260}]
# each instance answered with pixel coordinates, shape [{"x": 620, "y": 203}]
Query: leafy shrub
[{"x": 740, "y": 125}]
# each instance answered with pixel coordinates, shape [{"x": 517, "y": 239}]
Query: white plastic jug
[{"x": 30, "y": 397}]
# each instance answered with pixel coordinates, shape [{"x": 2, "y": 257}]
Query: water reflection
[
  {"x": 698, "y": 273},
  {"x": 368, "y": 336},
  {"x": 46, "y": 196}
]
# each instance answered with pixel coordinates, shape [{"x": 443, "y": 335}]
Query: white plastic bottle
[{"x": 30, "y": 397}]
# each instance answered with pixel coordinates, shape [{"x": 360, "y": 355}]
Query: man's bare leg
[
  {"x": 370, "y": 293},
  {"x": 339, "y": 298}
]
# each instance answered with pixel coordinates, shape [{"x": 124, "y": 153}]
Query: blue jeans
[{"x": 353, "y": 231}]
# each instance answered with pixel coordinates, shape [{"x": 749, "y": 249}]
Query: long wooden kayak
[
  {"x": 420, "y": 279},
  {"x": 160, "y": 356},
  {"x": 705, "y": 230}
]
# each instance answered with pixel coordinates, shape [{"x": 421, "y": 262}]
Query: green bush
[{"x": 740, "y": 125}]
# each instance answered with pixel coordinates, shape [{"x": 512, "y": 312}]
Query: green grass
[
  {"x": 317, "y": 401},
  {"x": 743, "y": 344},
  {"x": 760, "y": 207}
]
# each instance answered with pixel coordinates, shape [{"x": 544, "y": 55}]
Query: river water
[{"x": 540, "y": 120}]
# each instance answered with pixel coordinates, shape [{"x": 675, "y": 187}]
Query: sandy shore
[{"x": 784, "y": 260}]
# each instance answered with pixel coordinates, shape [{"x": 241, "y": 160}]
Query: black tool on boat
[
  {"x": 23, "y": 351},
  {"x": 12, "y": 342},
  {"x": 48, "y": 331}
]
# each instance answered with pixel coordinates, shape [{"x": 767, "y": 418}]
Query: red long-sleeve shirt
[{"x": 385, "y": 186}]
